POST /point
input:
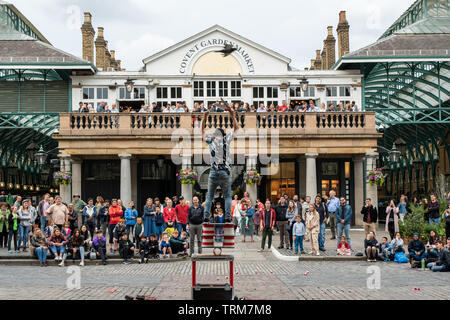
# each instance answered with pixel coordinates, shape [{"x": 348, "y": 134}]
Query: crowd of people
[
  {"x": 173, "y": 227},
  {"x": 181, "y": 107}
]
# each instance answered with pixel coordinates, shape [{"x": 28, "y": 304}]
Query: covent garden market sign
[{"x": 211, "y": 43}]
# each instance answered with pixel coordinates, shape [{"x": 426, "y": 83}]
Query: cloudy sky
[{"x": 138, "y": 28}]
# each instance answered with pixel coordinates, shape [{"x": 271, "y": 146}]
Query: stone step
[
  {"x": 53, "y": 263},
  {"x": 331, "y": 258}
]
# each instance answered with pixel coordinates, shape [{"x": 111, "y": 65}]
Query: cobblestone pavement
[{"x": 257, "y": 276}]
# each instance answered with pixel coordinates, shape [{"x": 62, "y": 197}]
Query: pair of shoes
[
  {"x": 24, "y": 250},
  {"x": 10, "y": 251},
  {"x": 322, "y": 249},
  {"x": 45, "y": 264},
  {"x": 56, "y": 258},
  {"x": 61, "y": 264},
  {"x": 41, "y": 264},
  {"x": 82, "y": 263},
  {"x": 17, "y": 251},
  {"x": 126, "y": 262},
  {"x": 281, "y": 247},
  {"x": 104, "y": 263}
]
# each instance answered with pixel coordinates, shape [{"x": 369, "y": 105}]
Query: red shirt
[
  {"x": 115, "y": 212},
  {"x": 282, "y": 108},
  {"x": 169, "y": 214},
  {"x": 182, "y": 213}
]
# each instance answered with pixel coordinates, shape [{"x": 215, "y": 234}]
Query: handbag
[
  {"x": 92, "y": 255},
  {"x": 400, "y": 257}
]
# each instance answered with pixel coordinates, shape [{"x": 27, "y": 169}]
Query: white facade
[{"x": 251, "y": 74}]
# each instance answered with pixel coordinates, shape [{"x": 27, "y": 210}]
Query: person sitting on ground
[
  {"x": 77, "y": 245},
  {"x": 66, "y": 231},
  {"x": 384, "y": 249},
  {"x": 370, "y": 247},
  {"x": 432, "y": 251},
  {"x": 165, "y": 245},
  {"x": 170, "y": 228},
  {"x": 153, "y": 247},
  {"x": 87, "y": 237},
  {"x": 99, "y": 245},
  {"x": 143, "y": 249},
  {"x": 443, "y": 264},
  {"x": 397, "y": 245},
  {"x": 57, "y": 244},
  {"x": 126, "y": 248},
  {"x": 178, "y": 246},
  {"x": 118, "y": 232},
  {"x": 416, "y": 249},
  {"x": 299, "y": 231},
  {"x": 39, "y": 247},
  {"x": 138, "y": 231},
  {"x": 344, "y": 248},
  {"x": 447, "y": 246}
]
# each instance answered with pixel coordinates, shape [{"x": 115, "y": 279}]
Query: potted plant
[
  {"x": 376, "y": 176},
  {"x": 187, "y": 176},
  {"x": 62, "y": 178},
  {"x": 252, "y": 177}
]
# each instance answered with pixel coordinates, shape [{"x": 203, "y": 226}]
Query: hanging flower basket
[
  {"x": 62, "y": 178},
  {"x": 252, "y": 177},
  {"x": 187, "y": 176},
  {"x": 377, "y": 177}
]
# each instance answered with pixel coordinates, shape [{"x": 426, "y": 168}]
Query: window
[
  {"x": 102, "y": 93},
  {"x": 223, "y": 88},
  {"x": 161, "y": 93},
  {"x": 176, "y": 92},
  {"x": 258, "y": 92},
  {"x": 272, "y": 92},
  {"x": 295, "y": 92},
  {"x": 124, "y": 94},
  {"x": 269, "y": 103},
  {"x": 210, "y": 88},
  {"x": 199, "y": 89},
  {"x": 331, "y": 91},
  {"x": 344, "y": 91},
  {"x": 311, "y": 92},
  {"x": 88, "y": 93},
  {"x": 139, "y": 93},
  {"x": 235, "y": 88}
]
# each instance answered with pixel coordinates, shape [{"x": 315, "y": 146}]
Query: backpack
[{"x": 400, "y": 257}]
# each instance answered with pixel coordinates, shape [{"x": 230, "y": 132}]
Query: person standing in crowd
[
  {"x": 13, "y": 227},
  {"x": 344, "y": 219},
  {"x": 25, "y": 217},
  {"x": 79, "y": 206},
  {"x": 332, "y": 206},
  {"x": 402, "y": 207},
  {"x": 90, "y": 215},
  {"x": 370, "y": 218},
  {"x": 169, "y": 213},
  {"x": 257, "y": 216},
  {"x": 181, "y": 210},
  {"x": 416, "y": 250},
  {"x": 446, "y": 217},
  {"x": 120, "y": 204},
  {"x": 131, "y": 214},
  {"x": 4, "y": 226},
  {"x": 59, "y": 212},
  {"x": 392, "y": 219},
  {"x": 72, "y": 217},
  {"x": 195, "y": 221},
  {"x": 321, "y": 208},
  {"x": 298, "y": 231},
  {"x": 249, "y": 229},
  {"x": 291, "y": 214},
  {"x": 268, "y": 219},
  {"x": 370, "y": 247},
  {"x": 313, "y": 226},
  {"x": 149, "y": 218},
  {"x": 433, "y": 210},
  {"x": 57, "y": 244},
  {"x": 99, "y": 245},
  {"x": 18, "y": 202},
  {"x": 39, "y": 248},
  {"x": 282, "y": 222},
  {"x": 443, "y": 263},
  {"x": 103, "y": 216},
  {"x": 115, "y": 213},
  {"x": 43, "y": 206},
  {"x": 159, "y": 221},
  {"x": 305, "y": 208}
]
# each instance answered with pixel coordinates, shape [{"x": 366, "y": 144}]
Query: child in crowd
[
  {"x": 118, "y": 232},
  {"x": 4, "y": 213},
  {"x": 159, "y": 221},
  {"x": 131, "y": 215},
  {"x": 343, "y": 248},
  {"x": 165, "y": 245},
  {"x": 177, "y": 245},
  {"x": 126, "y": 248},
  {"x": 384, "y": 249},
  {"x": 99, "y": 245},
  {"x": 138, "y": 231},
  {"x": 143, "y": 249},
  {"x": 66, "y": 231},
  {"x": 218, "y": 218},
  {"x": 170, "y": 228},
  {"x": 49, "y": 229},
  {"x": 299, "y": 231},
  {"x": 153, "y": 247}
]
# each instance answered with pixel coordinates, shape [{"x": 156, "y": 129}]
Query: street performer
[{"x": 220, "y": 174}]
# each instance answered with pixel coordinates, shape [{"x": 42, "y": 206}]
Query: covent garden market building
[{"x": 400, "y": 83}]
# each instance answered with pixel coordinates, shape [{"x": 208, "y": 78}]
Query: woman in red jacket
[
  {"x": 169, "y": 213},
  {"x": 115, "y": 213}
]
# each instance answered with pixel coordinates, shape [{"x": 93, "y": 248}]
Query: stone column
[
  {"x": 187, "y": 190},
  {"x": 125, "y": 178},
  {"x": 301, "y": 162},
  {"x": 134, "y": 181},
  {"x": 76, "y": 177},
  {"x": 371, "y": 191},
  {"x": 252, "y": 189},
  {"x": 358, "y": 167},
  {"x": 65, "y": 191},
  {"x": 311, "y": 175}
]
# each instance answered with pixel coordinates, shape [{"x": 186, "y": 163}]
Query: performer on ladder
[{"x": 220, "y": 174}]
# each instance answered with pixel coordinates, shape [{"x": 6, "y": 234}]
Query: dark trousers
[
  {"x": 126, "y": 253},
  {"x": 4, "y": 238},
  {"x": 102, "y": 253},
  {"x": 111, "y": 233},
  {"x": 196, "y": 232},
  {"x": 291, "y": 238},
  {"x": 144, "y": 254},
  {"x": 91, "y": 228},
  {"x": 447, "y": 230},
  {"x": 266, "y": 233},
  {"x": 10, "y": 236},
  {"x": 284, "y": 234}
]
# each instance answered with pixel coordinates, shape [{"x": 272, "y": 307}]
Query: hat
[
  {"x": 76, "y": 195},
  {"x": 181, "y": 198}
]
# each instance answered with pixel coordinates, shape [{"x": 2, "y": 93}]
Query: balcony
[{"x": 152, "y": 133}]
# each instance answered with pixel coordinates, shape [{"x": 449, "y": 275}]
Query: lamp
[
  {"x": 304, "y": 83},
  {"x": 129, "y": 85},
  {"x": 394, "y": 154},
  {"x": 31, "y": 149},
  {"x": 160, "y": 162},
  {"x": 401, "y": 145},
  {"x": 40, "y": 156}
]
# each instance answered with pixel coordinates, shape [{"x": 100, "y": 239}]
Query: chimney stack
[
  {"x": 318, "y": 61},
  {"x": 330, "y": 46},
  {"x": 343, "y": 35},
  {"x": 100, "y": 50},
  {"x": 113, "y": 54},
  {"x": 88, "y": 34},
  {"x": 313, "y": 64},
  {"x": 107, "y": 56}
]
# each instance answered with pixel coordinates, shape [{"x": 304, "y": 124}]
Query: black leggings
[
  {"x": 111, "y": 233},
  {"x": 447, "y": 231}
]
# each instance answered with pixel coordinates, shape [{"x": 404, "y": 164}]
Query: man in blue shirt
[
  {"x": 344, "y": 219},
  {"x": 332, "y": 205}
]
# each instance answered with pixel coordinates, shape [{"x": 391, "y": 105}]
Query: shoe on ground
[
  {"x": 104, "y": 263},
  {"x": 303, "y": 252},
  {"x": 317, "y": 253},
  {"x": 261, "y": 250},
  {"x": 296, "y": 252},
  {"x": 281, "y": 247},
  {"x": 56, "y": 258},
  {"x": 17, "y": 251},
  {"x": 322, "y": 249},
  {"x": 10, "y": 251},
  {"x": 270, "y": 249},
  {"x": 311, "y": 252},
  {"x": 228, "y": 220},
  {"x": 206, "y": 220},
  {"x": 368, "y": 260},
  {"x": 82, "y": 263},
  {"x": 41, "y": 264},
  {"x": 45, "y": 264},
  {"x": 61, "y": 264},
  {"x": 333, "y": 238}
]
